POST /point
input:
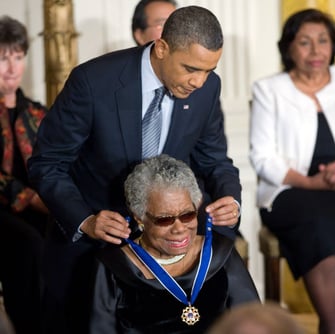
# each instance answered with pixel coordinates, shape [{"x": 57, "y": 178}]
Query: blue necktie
[{"x": 152, "y": 124}]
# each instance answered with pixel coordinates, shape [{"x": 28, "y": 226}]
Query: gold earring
[{"x": 141, "y": 227}]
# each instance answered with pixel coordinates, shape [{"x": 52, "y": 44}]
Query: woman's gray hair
[{"x": 159, "y": 173}]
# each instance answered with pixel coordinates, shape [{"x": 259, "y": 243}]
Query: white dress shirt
[{"x": 150, "y": 83}]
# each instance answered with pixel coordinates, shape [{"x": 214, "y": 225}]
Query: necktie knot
[
  {"x": 151, "y": 125},
  {"x": 159, "y": 94}
]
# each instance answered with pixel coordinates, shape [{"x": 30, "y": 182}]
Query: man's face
[
  {"x": 157, "y": 13},
  {"x": 186, "y": 70}
]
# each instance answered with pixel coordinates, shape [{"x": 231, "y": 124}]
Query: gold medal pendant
[{"x": 190, "y": 315}]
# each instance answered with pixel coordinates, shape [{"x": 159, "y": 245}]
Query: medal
[{"x": 190, "y": 315}]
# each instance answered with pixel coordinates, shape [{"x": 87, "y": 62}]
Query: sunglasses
[{"x": 169, "y": 220}]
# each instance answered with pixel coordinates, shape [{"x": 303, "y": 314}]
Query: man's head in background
[{"x": 149, "y": 18}]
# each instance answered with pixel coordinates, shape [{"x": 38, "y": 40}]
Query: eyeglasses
[{"x": 169, "y": 220}]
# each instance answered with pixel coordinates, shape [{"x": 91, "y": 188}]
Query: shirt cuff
[
  {"x": 79, "y": 232},
  {"x": 239, "y": 213},
  {"x": 239, "y": 207}
]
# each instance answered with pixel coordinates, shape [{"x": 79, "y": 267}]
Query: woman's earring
[{"x": 141, "y": 227}]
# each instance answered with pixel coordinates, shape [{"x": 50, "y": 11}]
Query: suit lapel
[
  {"x": 129, "y": 106},
  {"x": 130, "y": 114},
  {"x": 181, "y": 119}
]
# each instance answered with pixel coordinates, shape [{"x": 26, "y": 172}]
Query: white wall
[{"x": 251, "y": 29}]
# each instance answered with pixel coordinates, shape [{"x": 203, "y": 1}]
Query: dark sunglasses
[{"x": 169, "y": 220}]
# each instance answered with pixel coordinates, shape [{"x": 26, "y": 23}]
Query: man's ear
[
  {"x": 138, "y": 36},
  {"x": 161, "y": 48}
]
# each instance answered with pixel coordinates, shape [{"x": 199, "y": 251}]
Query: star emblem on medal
[{"x": 190, "y": 315}]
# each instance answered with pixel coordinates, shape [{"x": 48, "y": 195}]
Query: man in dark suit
[{"x": 92, "y": 138}]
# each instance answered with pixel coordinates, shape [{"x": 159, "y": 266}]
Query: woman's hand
[
  {"x": 328, "y": 171},
  {"x": 315, "y": 182},
  {"x": 37, "y": 204}
]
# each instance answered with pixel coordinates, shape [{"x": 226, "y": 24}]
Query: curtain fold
[{"x": 289, "y": 7}]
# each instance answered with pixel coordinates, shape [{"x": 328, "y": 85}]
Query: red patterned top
[{"x": 13, "y": 191}]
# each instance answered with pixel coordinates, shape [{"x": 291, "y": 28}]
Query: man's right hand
[{"x": 107, "y": 225}]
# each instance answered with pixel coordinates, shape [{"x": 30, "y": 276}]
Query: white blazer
[{"x": 283, "y": 129}]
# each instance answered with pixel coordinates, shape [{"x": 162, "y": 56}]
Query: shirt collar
[{"x": 150, "y": 81}]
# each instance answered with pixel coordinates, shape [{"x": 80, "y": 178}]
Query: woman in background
[
  {"x": 22, "y": 213},
  {"x": 292, "y": 143}
]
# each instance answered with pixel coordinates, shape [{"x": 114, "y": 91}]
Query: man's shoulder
[
  {"x": 109, "y": 67},
  {"x": 115, "y": 58}
]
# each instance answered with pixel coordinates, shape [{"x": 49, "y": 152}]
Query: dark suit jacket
[{"x": 91, "y": 139}]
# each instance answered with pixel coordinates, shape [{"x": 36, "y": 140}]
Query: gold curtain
[
  {"x": 291, "y": 6},
  {"x": 60, "y": 45}
]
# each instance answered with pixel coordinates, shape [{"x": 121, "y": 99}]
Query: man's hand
[
  {"x": 108, "y": 226},
  {"x": 224, "y": 211}
]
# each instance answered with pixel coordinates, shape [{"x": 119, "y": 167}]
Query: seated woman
[
  {"x": 23, "y": 216},
  {"x": 168, "y": 279},
  {"x": 293, "y": 153}
]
